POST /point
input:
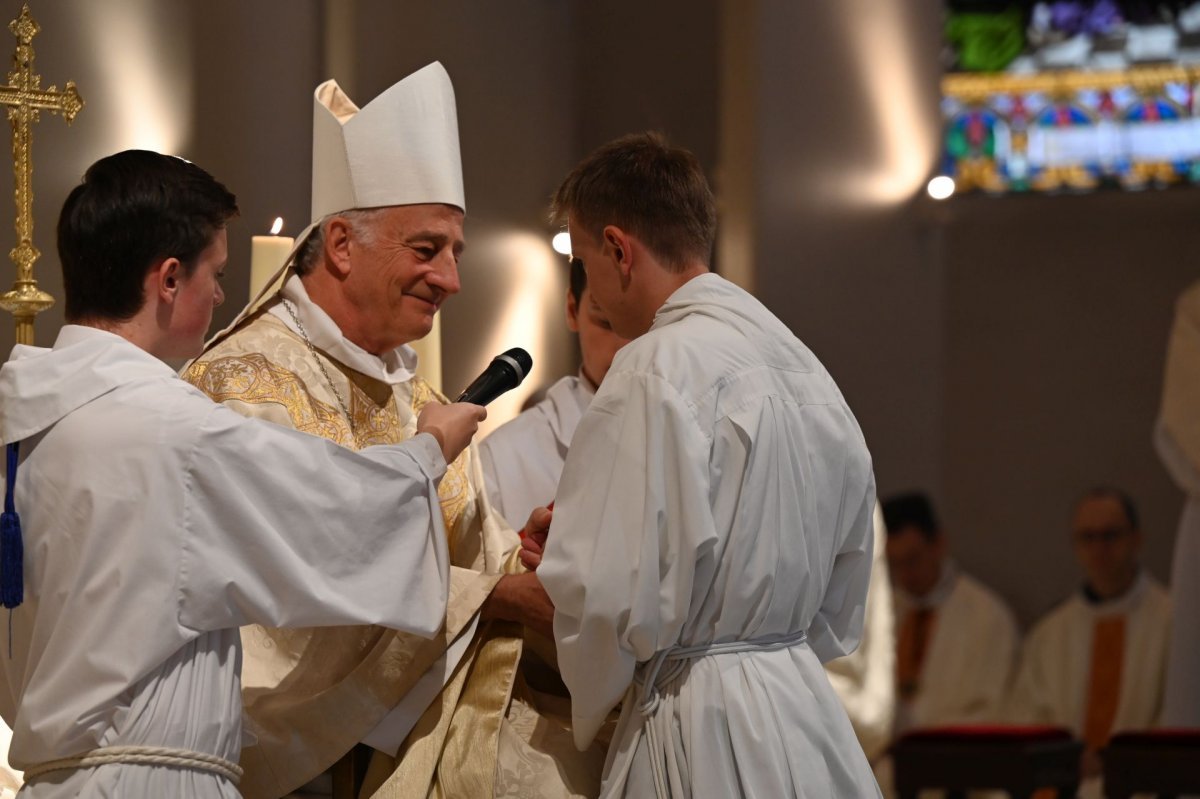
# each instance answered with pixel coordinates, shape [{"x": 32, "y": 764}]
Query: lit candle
[{"x": 267, "y": 254}]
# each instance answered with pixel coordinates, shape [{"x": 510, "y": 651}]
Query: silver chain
[{"x": 333, "y": 386}]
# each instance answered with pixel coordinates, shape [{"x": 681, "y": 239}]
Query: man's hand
[
  {"x": 534, "y": 539},
  {"x": 521, "y": 598},
  {"x": 452, "y": 425}
]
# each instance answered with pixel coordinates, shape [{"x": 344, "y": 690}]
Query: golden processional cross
[{"x": 26, "y": 100}]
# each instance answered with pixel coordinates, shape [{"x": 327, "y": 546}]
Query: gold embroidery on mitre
[
  {"x": 256, "y": 381},
  {"x": 455, "y": 489}
]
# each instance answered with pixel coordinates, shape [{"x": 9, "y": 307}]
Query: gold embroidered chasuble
[{"x": 312, "y": 694}]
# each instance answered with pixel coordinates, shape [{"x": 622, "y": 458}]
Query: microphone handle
[{"x": 485, "y": 388}]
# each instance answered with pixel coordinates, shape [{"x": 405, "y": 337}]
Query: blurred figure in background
[
  {"x": 957, "y": 639},
  {"x": 1178, "y": 439},
  {"x": 865, "y": 679},
  {"x": 1096, "y": 662}
]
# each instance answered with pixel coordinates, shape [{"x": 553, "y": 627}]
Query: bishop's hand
[
  {"x": 521, "y": 598},
  {"x": 533, "y": 537}
]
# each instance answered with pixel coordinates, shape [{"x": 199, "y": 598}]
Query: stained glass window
[{"x": 1055, "y": 119}]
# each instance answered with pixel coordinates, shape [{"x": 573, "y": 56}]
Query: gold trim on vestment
[
  {"x": 255, "y": 380},
  {"x": 461, "y": 732}
]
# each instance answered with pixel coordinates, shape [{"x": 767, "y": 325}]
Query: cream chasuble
[
  {"x": 312, "y": 694},
  {"x": 969, "y": 653},
  {"x": 1097, "y": 668},
  {"x": 1058, "y": 680}
]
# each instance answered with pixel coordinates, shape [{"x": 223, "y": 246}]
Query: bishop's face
[{"x": 404, "y": 264}]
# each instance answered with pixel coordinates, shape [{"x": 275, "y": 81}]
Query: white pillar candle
[{"x": 267, "y": 254}]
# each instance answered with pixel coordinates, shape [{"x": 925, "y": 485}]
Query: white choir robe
[
  {"x": 969, "y": 661},
  {"x": 718, "y": 489},
  {"x": 523, "y": 458},
  {"x": 1052, "y": 684},
  {"x": 523, "y": 461},
  {"x": 1177, "y": 436},
  {"x": 156, "y": 523}
]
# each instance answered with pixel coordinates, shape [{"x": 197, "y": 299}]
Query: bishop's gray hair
[{"x": 361, "y": 225}]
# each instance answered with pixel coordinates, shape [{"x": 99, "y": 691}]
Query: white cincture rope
[
  {"x": 654, "y": 677},
  {"x": 142, "y": 756}
]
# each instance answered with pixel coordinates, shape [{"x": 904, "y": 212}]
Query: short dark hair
[
  {"x": 578, "y": 279},
  {"x": 1112, "y": 492},
  {"x": 912, "y": 509},
  {"x": 131, "y": 211},
  {"x": 653, "y": 190}
]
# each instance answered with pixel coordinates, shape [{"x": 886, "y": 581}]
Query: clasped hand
[
  {"x": 521, "y": 597},
  {"x": 534, "y": 540}
]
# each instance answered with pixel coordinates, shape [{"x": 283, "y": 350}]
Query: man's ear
[
  {"x": 619, "y": 244},
  {"x": 572, "y": 312},
  {"x": 337, "y": 245},
  {"x": 163, "y": 280}
]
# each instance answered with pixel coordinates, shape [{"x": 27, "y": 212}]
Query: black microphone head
[
  {"x": 523, "y": 361},
  {"x": 506, "y": 371}
]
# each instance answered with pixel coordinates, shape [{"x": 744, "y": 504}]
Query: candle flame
[{"x": 278, "y": 226}]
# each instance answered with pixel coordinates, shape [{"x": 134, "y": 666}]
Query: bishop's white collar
[{"x": 394, "y": 367}]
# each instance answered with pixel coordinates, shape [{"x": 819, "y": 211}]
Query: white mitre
[{"x": 402, "y": 149}]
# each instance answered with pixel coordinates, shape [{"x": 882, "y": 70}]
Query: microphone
[{"x": 506, "y": 371}]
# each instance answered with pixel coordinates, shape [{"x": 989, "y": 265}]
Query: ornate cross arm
[
  {"x": 25, "y": 99},
  {"x": 67, "y": 102}
]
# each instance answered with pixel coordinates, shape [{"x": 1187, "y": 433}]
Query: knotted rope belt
[
  {"x": 654, "y": 676},
  {"x": 141, "y": 756}
]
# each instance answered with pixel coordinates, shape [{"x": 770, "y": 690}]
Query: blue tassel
[{"x": 12, "y": 550}]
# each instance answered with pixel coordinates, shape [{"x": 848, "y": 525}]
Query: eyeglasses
[{"x": 1103, "y": 535}]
